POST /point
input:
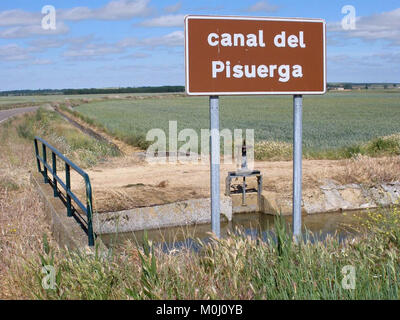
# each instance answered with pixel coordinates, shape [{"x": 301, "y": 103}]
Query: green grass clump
[
  {"x": 389, "y": 145},
  {"x": 238, "y": 267},
  {"x": 135, "y": 140},
  {"x": 7, "y": 183}
]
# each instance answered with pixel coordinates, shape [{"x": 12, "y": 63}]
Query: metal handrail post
[
  {"x": 37, "y": 159},
  {"x": 89, "y": 210},
  {"x": 68, "y": 185},
  {"x": 53, "y": 156},
  {"x": 46, "y": 180}
]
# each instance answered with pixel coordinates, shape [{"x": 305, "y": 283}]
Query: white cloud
[
  {"x": 46, "y": 43},
  {"x": 382, "y": 26},
  {"x": 354, "y": 61},
  {"x": 173, "y": 8},
  {"x": 114, "y": 10},
  {"x": 364, "y": 67},
  {"x": 128, "y": 42},
  {"x": 42, "y": 62},
  {"x": 136, "y": 55},
  {"x": 73, "y": 42},
  {"x": 390, "y": 57},
  {"x": 34, "y": 62},
  {"x": 262, "y": 6},
  {"x": 209, "y": 9},
  {"x": 173, "y": 39},
  {"x": 19, "y": 18},
  {"x": 172, "y": 20},
  {"x": 27, "y": 31},
  {"x": 24, "y": 24},
  {"x": 13, "y": 52},
  {"x": 91, "y": 50}
]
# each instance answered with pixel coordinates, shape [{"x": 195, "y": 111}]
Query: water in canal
[{"x": 252, "y": 224}]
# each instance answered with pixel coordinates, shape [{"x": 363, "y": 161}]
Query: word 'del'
[{"x": 243, "y": 55}]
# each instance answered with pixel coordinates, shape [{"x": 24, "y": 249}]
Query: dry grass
[
  {"x": 22, "y": 219},
  {"x": 367, "y": 170},
  {"x": 22, "y": 225},
  {"x": 235, "y": 268},
  {"x": 273, "y": 150},
  {"x": 239, "y": 267}
]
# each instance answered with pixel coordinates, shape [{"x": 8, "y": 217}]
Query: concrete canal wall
[{"x": 329, "y": 197}]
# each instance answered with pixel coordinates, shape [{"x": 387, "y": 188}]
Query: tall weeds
[{"x": 238, "y": 267}]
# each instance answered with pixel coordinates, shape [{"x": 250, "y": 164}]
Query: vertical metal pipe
[
  {"x": 214, "y": 165},
  {"x": 46, "y": 179},
  {"x": 297, "y": 164},
  {"x": 54, "y": 166},
  {"x": 244, "y": 192},
  {"x": 68, "y": 184}
]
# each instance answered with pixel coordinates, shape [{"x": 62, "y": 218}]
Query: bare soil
[{"x": 128, "y": 183}]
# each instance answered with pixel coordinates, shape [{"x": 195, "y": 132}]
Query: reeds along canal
[{"x": 316, "y": 227}]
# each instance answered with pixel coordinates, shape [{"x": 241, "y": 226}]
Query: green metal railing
[{"x": 56, "y": 181}]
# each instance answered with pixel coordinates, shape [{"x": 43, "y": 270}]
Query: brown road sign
[{"x": 248, "y": 55}]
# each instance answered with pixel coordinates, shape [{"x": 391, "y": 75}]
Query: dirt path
[
  {"x": 5, "y": 114},
  {"x": 119, "y": 186}
]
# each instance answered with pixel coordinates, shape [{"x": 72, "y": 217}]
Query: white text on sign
[{"x": 285, "y": 72}]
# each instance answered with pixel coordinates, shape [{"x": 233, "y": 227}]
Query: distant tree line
[
  {"x": 30, "y": 92},
  {"x": 352, "y": 85},
  {"x": 42, "y": 92},
  {"x": 160, "y": 89}
]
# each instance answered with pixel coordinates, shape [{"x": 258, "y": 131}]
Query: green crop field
[
  {"x": 10, "y": 101},
  {"x": 331, "y": 121}
]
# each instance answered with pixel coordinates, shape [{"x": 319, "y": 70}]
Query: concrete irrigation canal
[
  {"x": 133, "y": 196},
  {"x": 255, "y": 224}
]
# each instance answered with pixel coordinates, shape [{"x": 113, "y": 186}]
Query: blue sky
[{"x": 106, "y": 43}]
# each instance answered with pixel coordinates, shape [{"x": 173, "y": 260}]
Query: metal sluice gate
[{"x": 244, "y": 173}]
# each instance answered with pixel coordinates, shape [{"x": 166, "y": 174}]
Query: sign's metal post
[
  {"x": 297, "y": 164},
  {"x": 214, "y": 165}
]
